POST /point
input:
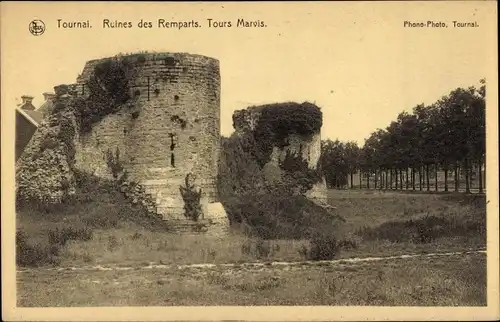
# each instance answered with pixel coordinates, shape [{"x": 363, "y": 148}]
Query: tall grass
[{"x": 44, "y": 231}]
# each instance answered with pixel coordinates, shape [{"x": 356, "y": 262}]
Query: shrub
[
  {"x": 100, "y": 221},
  {"x": 96, "y": 203},
  {"x": 269, "y": 210},
  {"x": 64, "y": 235},
  {"x": 114, "y": 162},
  {"x": 259, "y": 248},
  {"x": 239, "y": 172},
  {"x": 274, "y": 215},
  {"x": 113, "y": 243},
  {"x": 136, "y": 236},
  {"x": 423, "y": 230},
  {"x": 273, "y": 207},
  {"x": 191, "y": 195},
  {"x": 325, "y": 247},
  {"x": 322, "y": 248},
  {"x": 297, "y": 174},
  {"x": 33, "y": 251},
  {"x": 263, "y": 248},
  {"x": 35, "y": 254}
]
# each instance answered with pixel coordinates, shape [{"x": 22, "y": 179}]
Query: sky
[{"x": 355, "y": 60}]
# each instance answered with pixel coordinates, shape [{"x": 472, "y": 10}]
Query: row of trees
[{"x": 447, "y": 136}]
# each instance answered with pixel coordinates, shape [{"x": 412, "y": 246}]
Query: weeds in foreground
[
  {"x": 62, "y": 236},
  {"x": 324, "y": 247},
  {"x": 424, "y": 230},
  {"x": 34, "y": 253},
  {"x": 260, "y": 248}
]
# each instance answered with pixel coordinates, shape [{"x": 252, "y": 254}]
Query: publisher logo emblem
[{"x": 37, "y": 27}]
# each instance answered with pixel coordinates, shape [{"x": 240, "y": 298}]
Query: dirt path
[{"x": 251, "y": 265}]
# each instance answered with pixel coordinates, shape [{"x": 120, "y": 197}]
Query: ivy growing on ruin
[
  {"x": 298, "y": 177},
  {"x": 191, "y": 194},
  {"x": 114, "y": 163},
  {"x": 278, "y": 121},
  {"x": 109, "y": 90},
  {"x": 45, "y": 173},
  {"x": 132, "y": 190}
]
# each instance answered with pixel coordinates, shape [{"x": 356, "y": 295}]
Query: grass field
[
  {"x": 451, "y": 281},
  {"x": 377, "y": 223}
]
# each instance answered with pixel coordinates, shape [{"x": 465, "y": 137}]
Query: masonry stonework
[
  {"x": 308, "y": 147},
  {"x": 173, "y": 128}
]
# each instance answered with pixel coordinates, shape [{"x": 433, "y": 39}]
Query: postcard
[{"x": 264, "y": 161}]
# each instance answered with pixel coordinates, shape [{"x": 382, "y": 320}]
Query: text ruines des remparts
[{"x": 163, "y": 23}]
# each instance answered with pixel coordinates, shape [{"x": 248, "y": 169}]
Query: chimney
[
  {"x": 26, "y": 104},
  {"x": 48, "y": 96}
]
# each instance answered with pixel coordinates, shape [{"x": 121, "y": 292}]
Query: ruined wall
[
  {"x": 308, "y": 147},
  {"x": 173, "y": 129}
]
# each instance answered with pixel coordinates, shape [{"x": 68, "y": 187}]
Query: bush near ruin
[
  {"x": 277, "y": 209},
  {"x": 97, "y": 204},
  {"x": 49, "y": 183},
  {"x": 46, "y": 172}
]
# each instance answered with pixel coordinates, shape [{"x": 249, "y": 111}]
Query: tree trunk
[
  {"x": 420, "y": 178},
  {"x": 352, "y": 184},
  {"x": 407, "y": 183},
  {"x": 368, "y": 180},
  {"x": 427, "y": 176},
  {"x": 467, "y": 176},
  {"x": 401, "y": 179},
  {"x": 413, "y": 178},
  {"x": 471, "y": 175},
  {"x": 386, "y": 179},
  {"x": 375, "y": 180},
  {"x": 436, "y": 177},
  {"x": 480, "y": 166},
  {"x": 446, "y": 176},
  {"x": 360, "y": 179},
  {"x": 457, "y": 177}
]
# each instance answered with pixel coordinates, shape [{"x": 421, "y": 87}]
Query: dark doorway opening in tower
[
  {"x": 172, "y": 160},
  {"x": 173, "y": 143}
]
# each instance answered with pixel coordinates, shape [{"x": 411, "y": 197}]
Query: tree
[
  {"x": 333, "y": 161},
  {"x": 448, "y": 134},
  {"x": 352, "y": 158}
]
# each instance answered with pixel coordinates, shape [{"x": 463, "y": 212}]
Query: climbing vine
[
  {"x": 191, "y": 195},
  {"x": 297, "y": 174},
  {"x": 108, "y": 89},
  {"x": 114, "y": 163},
  {"x": 278, "y": 121},
  {"x": 45, "y": 173}
]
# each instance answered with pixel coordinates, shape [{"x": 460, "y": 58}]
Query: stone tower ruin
[
  {"x": 308, "y": 147},
  {"x": 172, "y": 130}
]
